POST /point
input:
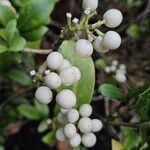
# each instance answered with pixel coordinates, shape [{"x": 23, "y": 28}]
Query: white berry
[
  {"x": 96, "y": 125},
  {"x": 77, "y": 73},
  {"x": 85, "y": 125},
  {"x": 120, "y": 77},
  {"x": 88, "y": 139},
  {"x": 98, "y": 45},
  {"x": 44, "y": 94},
  {"x": 107, "y": 70},
  {"x": 60, "y": 136},
  {"x": 66, "y": 99},
  {"x": 64, "y": 111},
  {"x": 115, "y": 63},
  {"x": 111, "y": 40},
  {"x": 113, "y": 68},
  {"x": 122, "y": 66},
  {"x": 90, "y": 4},
  {"x": 54, "y": 60},
  {"x": 83, "y": 48},
  {"x": 70, "y": 130},
  {"x": 53, "y": 81},
  {"x": 75, "y": 141},
  {"x": 73, "y": 115},
  {"x": 113, "y": 18},
  {"x": 85, "y": 110},
  {"x": 68, "y": 76},
  {"x": 62, "y": 119},
  {"x": 65, "y": 64}
]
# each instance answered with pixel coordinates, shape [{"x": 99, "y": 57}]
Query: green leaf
[
  {"x": 1, "y": 147},
  {"x": 35, "y": 34},
  {"x": 111, "y": 91},
  {"x": 19, "y": 3},
  {"x": 132, "y": 139},
  {"x": 10, "y": 29},
  {"x": 101, "y": 63},
  {"x": 30, "y": 112},
  {"x": 133, "y": 93},
  {"x": 6, "y": 14},
  {"x": 17, "y": 44},
  {"x": 143, "y": 105},
  {"x": 20, "y": 77},
  {"x": 134, "y": 31},
  {"x": 3, "y": 34},
  {"x": 43, "y": 126},
  {"x": 3, "y": 48},
  {"x": 84, "y": 88},
  {"x": 42, "y": 108},
  {"x": 49, "y": 138},
  {"x": 34, "y": 14}
]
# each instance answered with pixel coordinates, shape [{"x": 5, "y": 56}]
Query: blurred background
[{"x": 16, "y": 87}]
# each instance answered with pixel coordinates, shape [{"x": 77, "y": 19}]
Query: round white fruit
[
  {"x": 68, "y": 76},
  {"x": 96, "y": 125},
  {"x": 66, "y": 99},
  {"x": 111, "y": 40},
  {"x": 44, "y": 94},
  {"x": 90, "y": 4},
  {"x": 85, "y": 110},
  {"x": 60, "y": 136},
  {"x": 85, "y": 125},
  {"x": 83, "y": 48},
  {"x": 107, "y": 70},
  {"x": 54, "y": 60},
  {"x": 73, "y": 115},
  {"x": 98, "y": 45},
  {"x": 77, "y": 73},
  {"x": 113, "y": 18},
  {"x": 65, "y": 64},
  {"x": 88, "y": 139},
  {"x": 62, "y": 119},
  {"x": 120, "y": 77},
  {"x": 53, "y": 81},
  {"x": 75, "y": 141},
  {"x": 113, "y": 68},
  {"x": 115, "y": 63},
  {"x": 64, "y": 111},
  {"x": 70, "y": 130}
]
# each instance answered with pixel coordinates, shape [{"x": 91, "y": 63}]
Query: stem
[
  {"x": 37, "y": 51},
  {"x": 99, "y": 32},
  {"x": 98, "y": 24},
  {"x": 132, "y": 125}
]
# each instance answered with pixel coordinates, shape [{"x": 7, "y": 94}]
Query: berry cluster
[
  {"x": 78, "y": 127},
  {"x": 118, "y": 69},
  {"x": 65, "y": 74},
  {"x": 104, "y": 42}
]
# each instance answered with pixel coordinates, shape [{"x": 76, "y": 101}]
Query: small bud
[{"x": 32, "y": 73}]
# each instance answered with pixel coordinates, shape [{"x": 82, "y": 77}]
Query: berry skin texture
[
  {"x": 62, "y": 119},
  {"x": 98, "y": 45},
  {"x": 73, "y": 116},
  {"x": 65, "y": 64},
  {"x": 53, "y": 81},
  {"x": 77, "y": 73},
  {"x": 75, "y": 141},
  {"x": 70, "y": 130},
  {"x": 90, "y": 4},
  {"x": 60, "y": 136},
  {"x": 85, "y": 110},
  {"x": 96, "y": 125},
  {"x": 120, "y": 77},
  {"x": 66, "y": 99},
  {"x": 64, "y": 111},
  {"x": 83, "y": 48},
  {"x": 44, "y": 95},
  {"x": 54, "y": 60},
  {"x": 85, "y": 125},
  {"x": 113, "y": 18},
  {"x": 68, "y": 76},
  {"x": 88, "y": 139},
  {"x": 111, "y": 40}
]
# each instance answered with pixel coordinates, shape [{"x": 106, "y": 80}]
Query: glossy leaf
[
  {"x": 84, "y": 88},
  {"x": 43, "y": 126},
  {"x": 20, "y": 77},
  {"x": 17, "y": 44},
  {"x": 3, "y": 48},
  {"x": 110, "y": 91},
  {"x": 34, "y": 14},
  {"x": 3, "y": 34},
  {"x": 35, "y": 34},
  {"x": 6, "y": 14},
  {"x": 30, "y": 112}
]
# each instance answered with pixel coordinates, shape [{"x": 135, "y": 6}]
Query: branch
[
  {"x": 132, "y": 125},
  {"x": 37, "y": 51}
]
